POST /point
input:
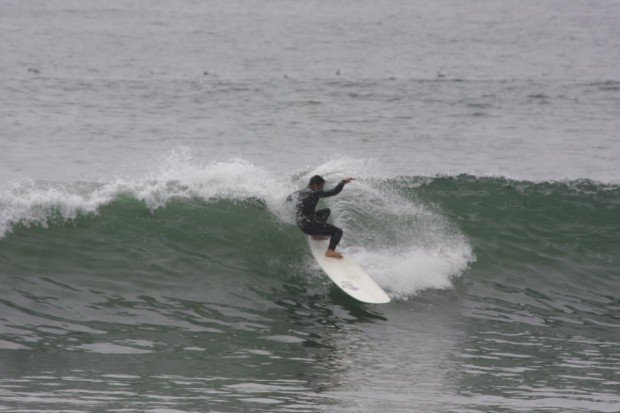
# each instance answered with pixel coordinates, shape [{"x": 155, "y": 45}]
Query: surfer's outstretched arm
[
  {"x": 334, "y": 191},
  {"x": 337, "y": 189}
]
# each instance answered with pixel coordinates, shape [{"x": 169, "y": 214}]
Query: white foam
[
  {"x": 405, "y": 273},
  {"x": 181, "y": 176},
  {"x": 28, "y": 202},
  {"x": 34, "y": 203}
]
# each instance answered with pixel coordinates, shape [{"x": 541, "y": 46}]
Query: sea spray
[{"x": 404, "y": 244}]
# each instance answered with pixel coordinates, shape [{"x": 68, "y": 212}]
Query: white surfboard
[{"x": 348, "y": 275}]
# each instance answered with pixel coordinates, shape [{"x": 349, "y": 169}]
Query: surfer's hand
[{"x": 347, "y": 180}]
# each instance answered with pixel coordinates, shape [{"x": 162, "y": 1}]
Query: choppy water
[{"x": 148, "y": 256}]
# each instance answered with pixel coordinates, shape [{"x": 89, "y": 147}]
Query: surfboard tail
[{"x": 348, "y": 275}]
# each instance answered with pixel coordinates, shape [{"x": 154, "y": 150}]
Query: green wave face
[
  {"x": 537, "y": 235},
  {"x": 540, "y": 234},
  {"x": 180, "y": 292}
]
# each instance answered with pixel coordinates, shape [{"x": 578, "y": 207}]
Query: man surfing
[{"x": 313, "y": 222}]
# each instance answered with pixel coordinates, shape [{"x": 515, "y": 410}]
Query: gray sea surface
[{"x": 524, "y": 89}]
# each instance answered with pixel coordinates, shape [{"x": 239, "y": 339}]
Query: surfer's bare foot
[{"x": 333, "y": 254}]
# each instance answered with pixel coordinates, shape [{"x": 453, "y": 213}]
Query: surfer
[{"x": 314, "y": 223}]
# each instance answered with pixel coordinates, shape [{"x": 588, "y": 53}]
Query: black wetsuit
[{"x": 314, "y": 222}]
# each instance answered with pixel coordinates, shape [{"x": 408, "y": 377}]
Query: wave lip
[{"x": 36, "y": 203}]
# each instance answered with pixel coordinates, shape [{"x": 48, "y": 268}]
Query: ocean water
[{"x": 149, "y": 260}]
